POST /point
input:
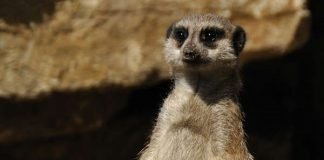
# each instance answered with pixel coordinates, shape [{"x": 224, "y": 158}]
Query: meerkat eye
[
  {"x": 180, "y": 34},
  {"x": 210, "y": 35}
]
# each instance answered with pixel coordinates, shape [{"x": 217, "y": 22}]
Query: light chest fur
[{"x": 190, "y": 129}]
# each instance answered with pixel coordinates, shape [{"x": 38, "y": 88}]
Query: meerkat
[{"x": 201, "y": 117}]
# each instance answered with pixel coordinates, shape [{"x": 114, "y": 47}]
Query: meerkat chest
[
  {"x": 188, "y": 112},
  {"x": 187, "y": 129}
]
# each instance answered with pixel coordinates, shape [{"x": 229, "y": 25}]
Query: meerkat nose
[{"x": 190, "y": 56}]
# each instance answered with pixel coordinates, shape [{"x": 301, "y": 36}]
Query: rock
[
  {"x": 250, "y": 8},
  {"x": 81, "y": 44},
  {"x": 274, "y": 36},
  {"x": 101, "y": 144},
  {"x": 59, "y": 114}
]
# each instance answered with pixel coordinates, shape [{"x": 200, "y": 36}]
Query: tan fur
[{"x": 201, "y": 118}]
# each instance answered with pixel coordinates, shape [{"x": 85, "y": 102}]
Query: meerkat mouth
[{"x": 195, "y": 62}]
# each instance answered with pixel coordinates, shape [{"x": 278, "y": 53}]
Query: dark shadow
[
  {"x": 121, "y": 137},
  {"x": 309, "y": 115},
  {"x": 285, "y": 96},
  {"x": 58, "y": 113},
  {"x": 269, "y": 99},
  {"x": 26, "y": 11}
]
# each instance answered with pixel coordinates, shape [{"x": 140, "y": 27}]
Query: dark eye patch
[
  {"x": 210, "y": 35},
  {"x": 180, "y": 34}
]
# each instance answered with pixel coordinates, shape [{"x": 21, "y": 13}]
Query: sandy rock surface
[{"x": 60, "y": 45}]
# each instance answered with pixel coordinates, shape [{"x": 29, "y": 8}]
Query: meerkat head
[{"x": 201, "y": 42}]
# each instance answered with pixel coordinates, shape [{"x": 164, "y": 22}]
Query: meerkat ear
[
  {"x": 169, "y": 31},
  {"x": 239, "y": 38}
]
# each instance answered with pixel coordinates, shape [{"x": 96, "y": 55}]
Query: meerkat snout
[{"x": 191, "y": 54}]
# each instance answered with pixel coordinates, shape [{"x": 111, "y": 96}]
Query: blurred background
[{"x": 84, "y": 79}]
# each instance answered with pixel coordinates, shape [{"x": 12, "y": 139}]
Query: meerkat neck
[{"x": 210, "y": 86}]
